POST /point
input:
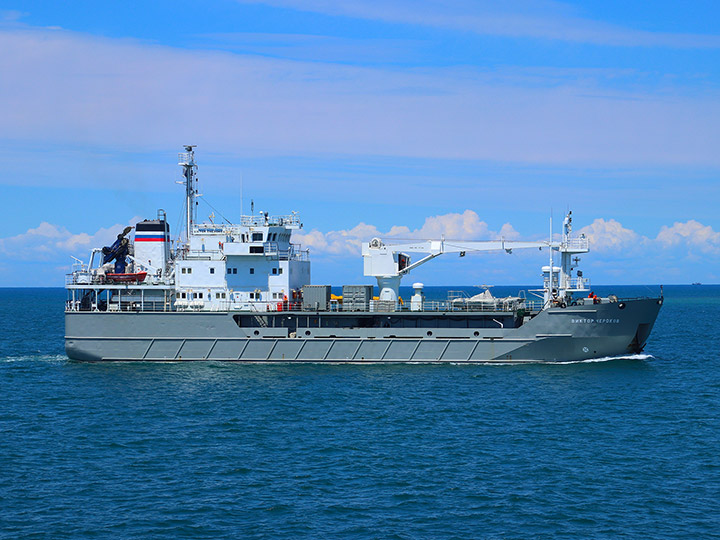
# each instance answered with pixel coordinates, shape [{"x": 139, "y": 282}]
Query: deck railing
[
  {"x": 292, "y": 220},
  {"x": 99, "y": 280},
  {"x": 579, "y": 242},
  {"x": 135, "y": 304}
]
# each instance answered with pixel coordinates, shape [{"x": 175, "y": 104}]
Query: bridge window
[
  {"x": 274, "y": 270},
  {"x": 252, "y": 270},
  {"x": 257, "y": 237},
  {"x": 212, "y": 270}
]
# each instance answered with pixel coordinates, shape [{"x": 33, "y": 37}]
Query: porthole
[
  {"x": 307, "y": 332},
  {"x": 476, "y": 333},
  {"x": 429, "y": 333},
  {"x": 256, "y": 332},
  {"x": 621, "y": 305}
]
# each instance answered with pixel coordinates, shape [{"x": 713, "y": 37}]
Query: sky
[{"x": 472, "y": 120}]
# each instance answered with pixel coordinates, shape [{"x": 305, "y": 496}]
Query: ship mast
[{"x": 187, "y": 161}]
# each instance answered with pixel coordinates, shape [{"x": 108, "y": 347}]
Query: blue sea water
[{"x": 613, "y": 449}]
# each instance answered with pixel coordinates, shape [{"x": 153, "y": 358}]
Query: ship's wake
[
  {"x": 634, "y": 357},
  {"x": 47, "y": 358},
  {"x": 607, "y": 359}
]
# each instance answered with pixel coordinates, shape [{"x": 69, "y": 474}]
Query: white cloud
[
  {"x": 48, "y": 242},
  {"x": 11, "y": 16},
  {"x": 606, "y": 237},
  {"x": 73, "y": 89},
  {"x": 617, "y": 254},
  {"x": 336, "y": 242},
  {"x": 540, "y": 19},
  {"x": 321, "y": 48},
  {"x": 454, "y": 226},
  {"x": 463, "y": 226},
  {"x": 691, "y": 234},
  {"x": 676, "y": 248},
  {"x": 610, "y": 235},
  {"x": 508, "y": 232}
]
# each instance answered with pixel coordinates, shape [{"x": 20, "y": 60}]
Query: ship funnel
[{"x": 152, "y": 244}]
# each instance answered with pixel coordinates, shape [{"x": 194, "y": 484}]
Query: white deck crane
[{"x": 388, "y": 263}]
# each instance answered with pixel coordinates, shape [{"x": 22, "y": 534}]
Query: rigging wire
[
  {"x": 215, "y": 210},
  {"x": 177, "y": 226}
]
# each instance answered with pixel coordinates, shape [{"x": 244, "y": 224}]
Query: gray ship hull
[{"x": 553, "y": 335}]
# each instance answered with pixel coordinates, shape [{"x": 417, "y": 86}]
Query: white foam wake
[
  {"x": 607, "y": 359},
  {"x": 49, "y": 358}
]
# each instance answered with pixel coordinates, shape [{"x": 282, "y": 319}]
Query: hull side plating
[{"x": 554, "y": 335}]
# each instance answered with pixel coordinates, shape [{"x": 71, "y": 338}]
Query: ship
[{"x": 243, "y": 293}]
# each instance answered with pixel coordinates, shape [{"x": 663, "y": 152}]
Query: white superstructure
[
  {"x": 241, "y": 266},
  {"x": 252, "y": 265}
]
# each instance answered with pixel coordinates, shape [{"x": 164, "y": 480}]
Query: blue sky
[{"x": 417, "y": 118}]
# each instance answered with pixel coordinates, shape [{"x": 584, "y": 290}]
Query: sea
[{"x": 610, "y": 448}]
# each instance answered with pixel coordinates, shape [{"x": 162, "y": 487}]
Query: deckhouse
[{"x": 237, "y": 266}]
